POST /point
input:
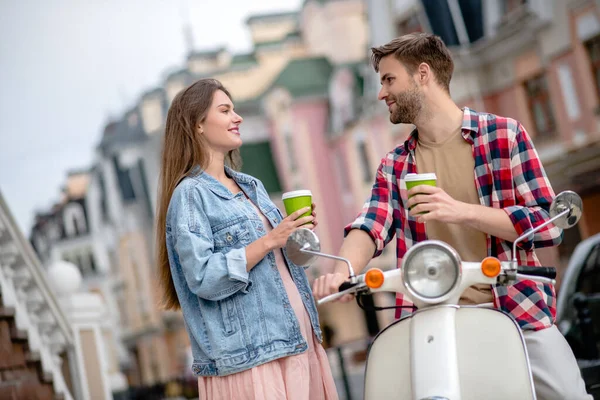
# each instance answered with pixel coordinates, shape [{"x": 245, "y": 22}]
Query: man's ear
[{"x": 425, "y": 73}]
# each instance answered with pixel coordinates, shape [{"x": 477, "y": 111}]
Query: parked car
[{"x": 578, "y": 309}]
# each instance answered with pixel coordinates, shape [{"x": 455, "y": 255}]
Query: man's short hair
[{"x": 416, "y": 48}]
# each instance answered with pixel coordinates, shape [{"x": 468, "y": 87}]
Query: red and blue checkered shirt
[{"x": 508, "y": 175}]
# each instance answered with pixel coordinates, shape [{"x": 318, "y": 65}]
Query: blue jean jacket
[{"x": 235, "y": 319}]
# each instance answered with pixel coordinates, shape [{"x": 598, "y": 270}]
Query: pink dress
[{"x": 305, "y": 376}]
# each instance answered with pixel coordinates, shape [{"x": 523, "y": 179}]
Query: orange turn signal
[
  {"x": 374, "y": 278},
  {"x": 490, "y": 266}
]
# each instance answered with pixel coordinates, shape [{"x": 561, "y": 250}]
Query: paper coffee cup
[
  {"x": 297, "y": 199},
  {"x": 413, "y": 180}
]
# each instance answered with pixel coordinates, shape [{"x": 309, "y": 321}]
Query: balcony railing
[{"x": 25, "y": 289}]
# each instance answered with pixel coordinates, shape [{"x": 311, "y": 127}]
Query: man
[{"x": 491, "y": 188}]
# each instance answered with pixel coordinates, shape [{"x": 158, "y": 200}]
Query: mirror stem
[
  {"x": 352, "y": 277},
  {"x": 531, "y": 232}
]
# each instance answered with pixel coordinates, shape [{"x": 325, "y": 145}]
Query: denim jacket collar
[{"x": 217, "y": 187}]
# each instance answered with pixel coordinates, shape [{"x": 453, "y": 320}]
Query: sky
[{"x": 67, "y": 66}]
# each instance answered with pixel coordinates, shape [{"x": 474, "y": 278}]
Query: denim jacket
[{"x": 235, "y": 319}]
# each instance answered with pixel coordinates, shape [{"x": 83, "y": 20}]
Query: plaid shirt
[{"x": 508, "y": 175}]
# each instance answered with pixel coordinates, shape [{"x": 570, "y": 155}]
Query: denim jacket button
[{"x": 229, "y": 238}]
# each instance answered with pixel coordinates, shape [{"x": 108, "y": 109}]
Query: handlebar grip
[
  {"x": 544, "y": 272},
  {"x": 346, "y": 285}
]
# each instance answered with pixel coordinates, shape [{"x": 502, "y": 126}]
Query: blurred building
[
  {"x": 56, "y": 341},
  {"x": 283, "y": 88},
  {"x": 312, "y": 120},
  {"x": 533, "y": 60},
  {"x": 70, "y": 232}
]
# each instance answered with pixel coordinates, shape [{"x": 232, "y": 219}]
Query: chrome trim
[{"x": 453, "y": 254}]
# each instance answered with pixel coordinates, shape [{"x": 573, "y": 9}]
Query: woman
[{"x": 249, "y": 311}]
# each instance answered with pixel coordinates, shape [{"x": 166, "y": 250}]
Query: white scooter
[{"x": 444, "y": 351}]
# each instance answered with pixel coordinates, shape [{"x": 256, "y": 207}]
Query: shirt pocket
[
  {"x": 232, "y": 236},
  {"x": 275, "y": 216}
]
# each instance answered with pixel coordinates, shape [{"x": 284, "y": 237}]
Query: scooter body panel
[{"x": 452, "y": 352}]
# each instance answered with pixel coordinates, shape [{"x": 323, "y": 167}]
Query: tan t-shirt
[{"x": 453, "y": 163}]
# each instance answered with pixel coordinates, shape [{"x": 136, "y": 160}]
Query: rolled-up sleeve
[
  {"x": 533, "y": 194},
  {"x": 377, "y": 215},
  {"x": 210, "y": 275}
]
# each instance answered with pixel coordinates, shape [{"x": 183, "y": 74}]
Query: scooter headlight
[{"x": 431, "y": 270}]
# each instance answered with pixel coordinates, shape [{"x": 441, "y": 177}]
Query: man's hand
[
  {"x": 443, "y": 208},
  {"x": 329, "y": 284},
  {"x": 438, "y": 204},
  {"x": 358, "y": 248}
]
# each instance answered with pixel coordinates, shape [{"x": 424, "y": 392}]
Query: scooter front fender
[{"x": 451, "y": 352}]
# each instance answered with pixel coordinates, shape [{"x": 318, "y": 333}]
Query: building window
[
  {"x": 103, "y": 198},
  {"x": 79, "y": 261},
  {"x": 257, "y": 160},
  {"x": 540, "y": 106},
  {"x": 571, "y": 101},
  {"x": 593, "y": 48},
  {"x": 289, "y": 143},
  {"x": 124, "y": 179},
  {"x": 140, "y": 290},
  {"x": 289, "y": 146},
  {"x": 145, "y": 191},
  {"x": 92, "y": 262},
  {"x": 122, "y": 303},
  {"x": 342, "y": 171},
  {"x": 152, "y": 118},
  {"x": 363, "y": 155},
  {"x": 74, "y": 220}
]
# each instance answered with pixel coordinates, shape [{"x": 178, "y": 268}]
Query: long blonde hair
[{"x": 183, "y": 149}]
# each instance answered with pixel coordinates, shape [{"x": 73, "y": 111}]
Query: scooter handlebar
[
  {"x": 345, "y": 288},
  {"x": 544, "y": 272},
  {"x": 346, "y": 285}
]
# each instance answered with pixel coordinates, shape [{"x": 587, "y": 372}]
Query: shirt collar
[{"x": 469, "y": 129}]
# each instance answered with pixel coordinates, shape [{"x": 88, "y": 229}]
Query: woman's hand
[
  {"x": 277, "y": 238},
  {"x": 314, "y": 214}
]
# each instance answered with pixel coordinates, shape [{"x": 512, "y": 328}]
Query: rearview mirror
[
  {"x": 302, "y": 239},
  {"x": 566, "y": 200}
]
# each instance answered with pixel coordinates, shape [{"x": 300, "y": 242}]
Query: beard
[{"x": 408, "y": 105}]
